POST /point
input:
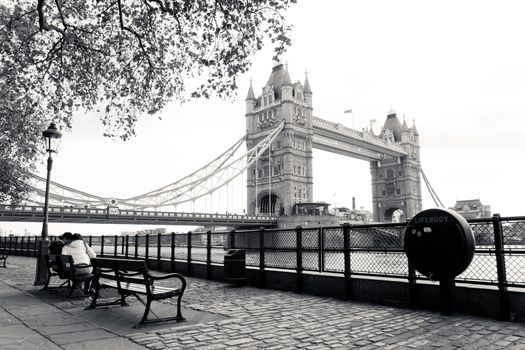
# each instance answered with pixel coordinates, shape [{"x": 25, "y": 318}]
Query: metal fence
[{"x": 367, "y": 250}]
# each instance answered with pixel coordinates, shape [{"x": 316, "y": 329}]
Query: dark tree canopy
[{"x": 121, "y": 59}]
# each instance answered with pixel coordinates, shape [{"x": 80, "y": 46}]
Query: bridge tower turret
[
  {"x": 396, "y": 182},
  {"x": 283, "y": 176}
]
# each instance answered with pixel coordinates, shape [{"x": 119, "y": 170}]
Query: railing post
[
  {"x": 102, "y": 245},
  {"x": 299, "y": 258},
  {"x": 172, "y": 252},
  {"x": 262, "y": 275},
  {"x": 123, "y": 244},
  {"x": 22, "y": 246},
  {"x": 500, "y": 264},
  {"x": 115, "y": 250},
  {"x": 16, "y": 245},
  {"x": 136, "y": 245},
  {"x": 158, "y": 250},
  {"x": 208, "y": 254},
  {"x": 146, "y": 256},
  {"x": 90, "y": 240},
  {"x": 232, "y": 239},
  {"x": 127, "y": 246},
  {"x": 10, "y": 244},
  {"x": 320, "y": 247},
  {"x": 346, "y": 252},
  {"x": 188, "y": 260}
]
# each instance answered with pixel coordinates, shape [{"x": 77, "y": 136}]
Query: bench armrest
[{"x": 170, "y": 275}]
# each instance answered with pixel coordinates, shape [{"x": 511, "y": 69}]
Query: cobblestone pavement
[{"x": 268, "y": 319}]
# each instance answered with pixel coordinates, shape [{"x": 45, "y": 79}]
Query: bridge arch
[
  {"x": 395, "y": 215},
  {"x": 269, "y": 203}
]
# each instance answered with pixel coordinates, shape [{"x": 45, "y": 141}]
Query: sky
[{"x": 454, "y": 67}]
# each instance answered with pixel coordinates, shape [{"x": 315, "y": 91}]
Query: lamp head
[{"x": 51, "y": 138}]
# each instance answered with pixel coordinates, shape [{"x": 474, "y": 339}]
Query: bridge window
[
  {"x": 265, "y": 101},
  {"x": 390, "y": 174},
  {"x": 398, "y": 191},
  {"x": 400, "y": 173},
  {"x": 383, "y": 193},
  {"x": 390, "y": 190}
]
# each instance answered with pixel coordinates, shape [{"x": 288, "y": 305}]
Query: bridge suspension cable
[
  {"x": 433, "y": 193},
  {"x": 209, "y": 178}
]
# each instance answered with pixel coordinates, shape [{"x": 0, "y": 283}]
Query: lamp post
[{"x": 51, "y": 139}]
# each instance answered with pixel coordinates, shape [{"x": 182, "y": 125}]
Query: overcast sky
[{"x": 456, "y": 67}]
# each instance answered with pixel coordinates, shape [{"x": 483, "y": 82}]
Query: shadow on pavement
[{"x": 120, "y": 320}]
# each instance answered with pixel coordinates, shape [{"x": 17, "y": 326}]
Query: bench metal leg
[
  {"x": 47, "y": 282},
  {"x": 146, "y": 312},
  {"x": 147, "y": 304},
  {"x": 179, "y": 313}
]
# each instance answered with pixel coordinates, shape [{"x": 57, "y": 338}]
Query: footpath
[{"x": 222, "y": 317}]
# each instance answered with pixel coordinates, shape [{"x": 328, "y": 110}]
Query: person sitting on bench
[
  {"x": 55, "y": 247},
  {"x": 82, "y": 253}
]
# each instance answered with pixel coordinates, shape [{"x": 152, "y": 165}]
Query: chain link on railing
[{"x": 375, "y": 250}]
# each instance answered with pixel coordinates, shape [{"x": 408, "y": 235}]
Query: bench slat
[{"x": 131, "y": 277}]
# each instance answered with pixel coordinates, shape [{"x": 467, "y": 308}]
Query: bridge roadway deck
[
  {"x": 30, "y": 213},
  {"x": 221, "y": 317}
]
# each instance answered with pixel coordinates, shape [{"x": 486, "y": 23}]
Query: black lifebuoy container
[{"x": 439, "y": 243}]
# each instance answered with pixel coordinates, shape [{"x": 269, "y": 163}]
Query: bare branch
[
  {"x": 137, "y": 35},
  {"x": 41, "y": 18}
]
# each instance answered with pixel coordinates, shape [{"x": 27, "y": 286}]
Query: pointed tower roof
[
  {"x": 286, "y": 78},
  {"x": 405, "y": 126},
  {"x": 414, "y": 127},
  {"x": 392, "y": 123},
  {"x": 307, "y": 89},
  {"x": 251, "y": 95},
  {"x": 279, "y": 77}
]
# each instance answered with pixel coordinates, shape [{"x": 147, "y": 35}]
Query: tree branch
[
  {"x": 137, "y": 35},
  {"x": 41, "y": 18}
]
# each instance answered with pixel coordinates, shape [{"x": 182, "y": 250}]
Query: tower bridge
[
  {"x": 276, "y": 169},
  {"x": 283, "y": 176}
]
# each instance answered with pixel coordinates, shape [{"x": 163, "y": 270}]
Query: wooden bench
[
  {"x": 132, "y": 277},
  {"x": 74, "y": 273},
  {"x": 55, "y": 269},
  {"x": 3, "y": 256},
  {"x": 64, "y": 267}
]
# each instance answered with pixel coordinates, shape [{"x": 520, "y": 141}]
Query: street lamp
[{"x": 51, "y": 139}]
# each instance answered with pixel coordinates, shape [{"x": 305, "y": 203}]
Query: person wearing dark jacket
[{"x": 55, "y": 247}]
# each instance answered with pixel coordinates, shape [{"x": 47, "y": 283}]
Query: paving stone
[
  {"x": 75, "y": 337},
  {"x": 259, "y": 318}
]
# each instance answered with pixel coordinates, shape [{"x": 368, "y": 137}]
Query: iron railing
[{"x": 351, "y": 250}]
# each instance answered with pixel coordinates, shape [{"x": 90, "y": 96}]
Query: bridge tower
[
  {"x": 282, "y": 176},
  {"x": 396, "y": 182}
]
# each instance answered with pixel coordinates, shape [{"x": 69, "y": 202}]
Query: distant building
[
  {"x": 472, "y": 209},
  {"x": 151, "y": 231},
  {"x": 346, "y": 214}
]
